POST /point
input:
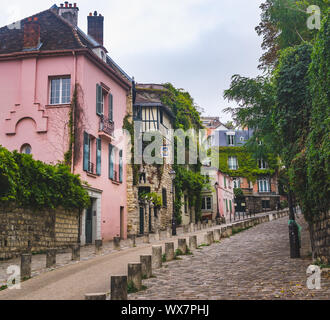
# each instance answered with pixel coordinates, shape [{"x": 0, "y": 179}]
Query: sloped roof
[{"x": 55, "y": 34}]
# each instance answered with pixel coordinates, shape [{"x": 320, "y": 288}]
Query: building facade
[{"x": 63, "y": 99}]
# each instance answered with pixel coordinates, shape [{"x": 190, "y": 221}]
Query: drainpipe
[{"x": 73, "y": 114}]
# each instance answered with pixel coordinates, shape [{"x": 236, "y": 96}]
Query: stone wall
[
  {"x": 254, "y": 203},
  {"x": 320, "y": 235},
  {"x": 36, "y": 230}
]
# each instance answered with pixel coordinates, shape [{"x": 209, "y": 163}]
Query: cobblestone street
[{"x": 253, "y": 264}]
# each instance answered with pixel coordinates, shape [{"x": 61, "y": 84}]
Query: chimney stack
[
  {"x": 95, "y": 27},
  {"x": 31, "y": 38},
  {"x": 69, "y": 12}
]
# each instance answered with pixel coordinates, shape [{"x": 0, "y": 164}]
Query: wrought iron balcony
[
  {"x": 107, "y": 126},
  {"x": 91, "y": 168}
]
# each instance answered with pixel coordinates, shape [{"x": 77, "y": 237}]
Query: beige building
[{"x": 150, "y": 198}]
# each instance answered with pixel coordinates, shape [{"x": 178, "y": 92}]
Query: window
[
  {"x": 164, "y": 197},
  {"x": 226, "y": 205},
  {"x": 99, "y": 100},
  {"x": 225, "y": 182},
  {"x": 241, "y": 139},
  {"x": 185, "y": 204},
  {"x": 262, "y": 164},
  {"x": 230, "y": 207},
  {"x": 161, "y": 116},
  {"x": 263, "y": 185},
  {"x": 111, "y": 162},
  {"x": 26, "y": 148},
  {"x": 60, "y": 90},
  {"x": 266, "y": 204},
  {"x": 232, "y": 163},
  {"x": 137, "y": 113},
  {"x": 237, "y": 183},
  {"x": 89, "y": 142},
  {"x": 207, "y": 203},
  {"x": 231, "y": 140}
]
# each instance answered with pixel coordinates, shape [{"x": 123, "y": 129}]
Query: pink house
[{"x": 62, "y": 98}]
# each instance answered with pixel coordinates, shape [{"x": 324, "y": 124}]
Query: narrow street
[{"x": 253, "y": 264}]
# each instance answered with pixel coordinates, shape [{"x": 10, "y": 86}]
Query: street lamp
[
  {"x": 172, "y": 175},
  {"x": 217, "y": 217}
]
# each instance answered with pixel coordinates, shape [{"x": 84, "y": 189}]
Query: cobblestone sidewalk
[{"x": 253, "y": 264}]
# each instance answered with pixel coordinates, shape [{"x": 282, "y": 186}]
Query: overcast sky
[{"x": 194, "y": 44}]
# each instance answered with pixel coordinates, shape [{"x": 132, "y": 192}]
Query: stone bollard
[
  {"x": 169, "y": 251},
  {"x": 207, "y": 239},
  {"x": 146, "y": 263},
  {"x": 116, "y": 243},
  {"x": 192, "y": 227},
  {"x": 95, "y": 296},
  {"x": 75, "y": 252},
  {"x": 182, "y": 245},
  {"x": 271, "y": 217},
  {"x": 229, "y": 230},
  {"x": 146, "y": 238},
  {"x": 169, "y": 232},
  {"x": 217, "y": 235},
  {"x": 193, "y": 243},
  {"x": 156, "y": 257},
  {"x": 98, "y": 246},
  {"x": 209, "y": 223},
  {"x": 26, "y": 260},
  {"x": 134, "y": 275},
  {"x": 118, "y": 288},
  {"x": 132, "y": 240},
  {"x": 211, "y": 236},
  {"x": 50, "y": 258},
  {"x": 199, "y": 225}
]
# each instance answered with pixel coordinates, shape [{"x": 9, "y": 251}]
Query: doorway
[
  {"x": 122, "y": 230},
  {"x": 89, "y": 224},
  {"x": 141, "y": 220}
]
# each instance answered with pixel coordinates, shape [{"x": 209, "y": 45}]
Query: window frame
[
  {"x": 230, "y": 163},
  {"x": 61, "y": 78}
]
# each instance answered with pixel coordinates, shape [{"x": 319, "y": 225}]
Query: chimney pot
[
  {"x": 66, "y": 4},
  {"x": 75, "y": 5},
  {"x": 95, "y": 13},
  {"x": 69, "y": 13},
  {"x": 70, "y": 5},
  {"x": 62, "y": 5}
]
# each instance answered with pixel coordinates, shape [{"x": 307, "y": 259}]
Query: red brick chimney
[
  {"x": 69, "y": 12},
  {"x": 95, "y": 27},
  {"x": 31, "y": 33}
]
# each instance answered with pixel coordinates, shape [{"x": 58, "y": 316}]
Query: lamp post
[
  {"x": 217, "y": 217},
  {"x": 172, "y": 175}
]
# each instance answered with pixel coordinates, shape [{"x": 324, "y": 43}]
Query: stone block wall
[
  {"x": 320, "y": 235},
  {"x": 23, "y": 230}
]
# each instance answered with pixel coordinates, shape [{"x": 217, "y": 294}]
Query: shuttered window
[
  {"x": 110, "y": 107},
  {"x": 86, "y": 151},
  {"x": 99, "y": 100},
  {"x": 121, "y": 166},
  {"x": 98, "y": 156},
  {"x": 111, "y": 161}
]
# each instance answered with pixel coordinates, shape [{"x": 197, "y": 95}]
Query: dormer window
[
  {"x": 60, "y": 90},
  {"x": 231, "y": 138}
]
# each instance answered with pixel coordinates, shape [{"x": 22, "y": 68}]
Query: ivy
[{"x": 34, "y": 184}]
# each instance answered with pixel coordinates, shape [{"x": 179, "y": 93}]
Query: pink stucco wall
[
  {"x": 225, "y": 192},
  {"x": 26, "y": 117}
]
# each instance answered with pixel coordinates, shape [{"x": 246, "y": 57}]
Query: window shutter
[
  {"x": 121, "y": 166},
  {"x": 98, "y": 156},
  {"x": 111, "y": 162},
  {"x": 86, "y": 151},
  {"x": 110, "y": 107},
  {"x": 99, "y": 110}
]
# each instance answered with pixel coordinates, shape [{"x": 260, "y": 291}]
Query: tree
[{"x": 283, "y": 25}]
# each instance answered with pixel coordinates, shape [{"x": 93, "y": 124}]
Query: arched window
[{"x": 26, "y": 148}]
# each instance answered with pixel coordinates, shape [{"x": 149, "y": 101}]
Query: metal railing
[
  {"x": 107, "y": 126},
  {"x": 91, "y": 168}
]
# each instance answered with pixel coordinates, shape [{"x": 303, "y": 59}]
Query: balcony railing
[
  {"x": 107, "y": 126},
  {"x": 91, "y": 168}
]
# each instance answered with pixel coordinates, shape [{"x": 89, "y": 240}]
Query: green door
[
  {"x": 89, "y": 225},
  {"x": 141, "y": 220}
]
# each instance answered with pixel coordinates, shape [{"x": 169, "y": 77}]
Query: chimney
[
  {"x": 95, "y": 27},
  {"x": 31, "y": 38},
  {"x": 69, "y": 12}
]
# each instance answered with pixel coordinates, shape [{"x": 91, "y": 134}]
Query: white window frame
[
  {"x": 204, "y": 200},
  {"x": 262, "y": 164},
  {"x": 235, "y": 180},
  {"x": 264, "y": 185},
  {"x": 61, "y": 78},
  {"x": 231, "y": 138},
  {"x": 232, "y": 163}
]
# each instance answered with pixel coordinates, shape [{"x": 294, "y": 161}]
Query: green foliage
[
  {"x": 155, "y": 198},
  {"x": 247, "y": 163},
  {"x": 32, "y": 183},
  {"x": 238, "y": 192},
  {"x": 188, "y": 178},
  {"x": 131, "y": 288}
]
